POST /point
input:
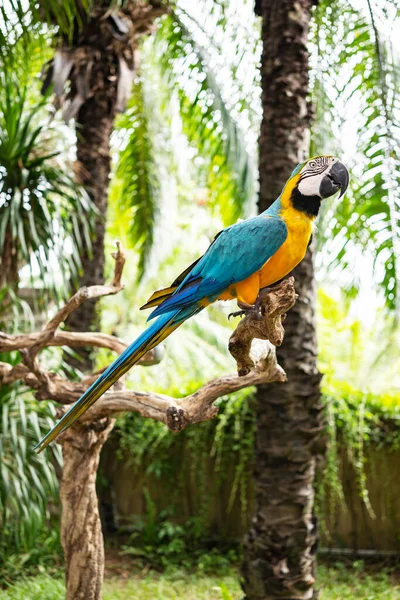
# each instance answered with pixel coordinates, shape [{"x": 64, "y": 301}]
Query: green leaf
[{"x": 207, "y": 121}]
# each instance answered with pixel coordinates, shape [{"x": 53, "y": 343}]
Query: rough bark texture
[
  {"x": 8, "y": 263},
  {"x": 94, "y": 126},
  {"x": 274, "y": 304},
  {"x": 83, "y": 542},
  {"x": 280, "y": 550}
]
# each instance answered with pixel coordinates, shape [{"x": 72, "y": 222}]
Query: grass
[
  {"x": 188, "y": 587},
  {"x": 340, "y": 582},
  {"x": 151, "y": 587},
  {"x": 337, "y": 582}
]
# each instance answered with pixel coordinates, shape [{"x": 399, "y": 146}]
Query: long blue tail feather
[{"x": 147, "y": 340}]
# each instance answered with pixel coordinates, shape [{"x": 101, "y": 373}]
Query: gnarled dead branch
[{"x": 256, "y": 360}]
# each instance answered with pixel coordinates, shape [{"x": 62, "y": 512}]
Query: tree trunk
[
  {"x": 279, "y": 560},
  {"x": 9, "y": 263},
  {"x": 83, "y": 542},
  {"x": 94, "y": 126},
  {"x": 97, "y": 51}
]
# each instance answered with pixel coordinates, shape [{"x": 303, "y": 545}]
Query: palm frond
[
  {"x": 188, "y": 99},
  {"x": 27, "y": 482},
  {"x": 369, "y": 216},
  {"x": 23, "y": 49},
  {"x": 15, "y": 313},
  {"x": 21, "y": 19},
  {"x": 228, "y": 170},
  {"x": 66, "y": 15},
  {"x": 137, "y": 184}
]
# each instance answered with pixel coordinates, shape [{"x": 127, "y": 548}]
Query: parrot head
[{"x": 316, "y": 179}]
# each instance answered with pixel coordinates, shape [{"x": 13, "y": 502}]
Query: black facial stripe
[
  {"x": 307, "y": 204},
  {"x": 307, "y": 174},
  {"x": 321, "y": 160}
]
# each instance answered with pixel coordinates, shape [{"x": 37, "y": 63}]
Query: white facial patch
[
  {"x": 313, "y": 173},
  {"x": 310, "y": 186}
]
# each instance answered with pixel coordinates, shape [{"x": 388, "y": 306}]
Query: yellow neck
[{"x": 288, "y": 211}]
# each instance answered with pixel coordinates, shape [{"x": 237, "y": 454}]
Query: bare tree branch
[
  {"x": 251, "y": 344},
  {"x": 62, "y": 338},
  {"x": 51, "y": 386},
  {"x": 197, "y": 407},
  {"x": 85, "y": 293},
  {"x": 264, "y": 325}
]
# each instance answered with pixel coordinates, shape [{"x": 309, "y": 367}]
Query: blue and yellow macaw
[{"x": 241, "y": 260}]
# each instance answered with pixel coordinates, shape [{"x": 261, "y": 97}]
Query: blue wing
[{"x": 235, "y": 254}]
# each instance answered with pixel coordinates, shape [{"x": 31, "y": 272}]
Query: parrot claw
[
  {"x": 238, "y": 313},
  {"x": 246, "y": 309},
  {"x": 255, "y": 309}
]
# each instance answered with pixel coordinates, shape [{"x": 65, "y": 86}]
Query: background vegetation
[{"x": 185, "y": 166}]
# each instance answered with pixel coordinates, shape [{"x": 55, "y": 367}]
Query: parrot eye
[{"x": 313, "y": 164}]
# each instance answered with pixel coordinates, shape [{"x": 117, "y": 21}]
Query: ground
[{"x": 337, "y": 581}]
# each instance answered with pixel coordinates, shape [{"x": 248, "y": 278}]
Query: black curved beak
[{"x": 336, "y": 179}]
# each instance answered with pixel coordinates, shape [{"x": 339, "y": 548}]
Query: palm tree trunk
[
  {"x": 96, "y": 76},
  {"x": 280, "y": 549},
  {"x": 94, "y": 127}
]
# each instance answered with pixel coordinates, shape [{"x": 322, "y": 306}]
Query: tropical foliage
[
  {"x": 44, "y": 215},
  {"x": 178, "y": 110},
  {"x": 184, "y": 166},
  {"x": 28, "y": 482},
  {"x": 356, "y": 93},
  {"x": 41, "y": 207}
]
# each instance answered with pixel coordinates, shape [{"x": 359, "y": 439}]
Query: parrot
[{"x": 241, "y": 260}]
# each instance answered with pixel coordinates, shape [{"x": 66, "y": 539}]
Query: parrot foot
[
  {"x": 254, "y": 309},
  {"x": 246, "y": 309}
]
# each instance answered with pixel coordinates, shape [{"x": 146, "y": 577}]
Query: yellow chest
[{"x": 290, "y": 253}]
